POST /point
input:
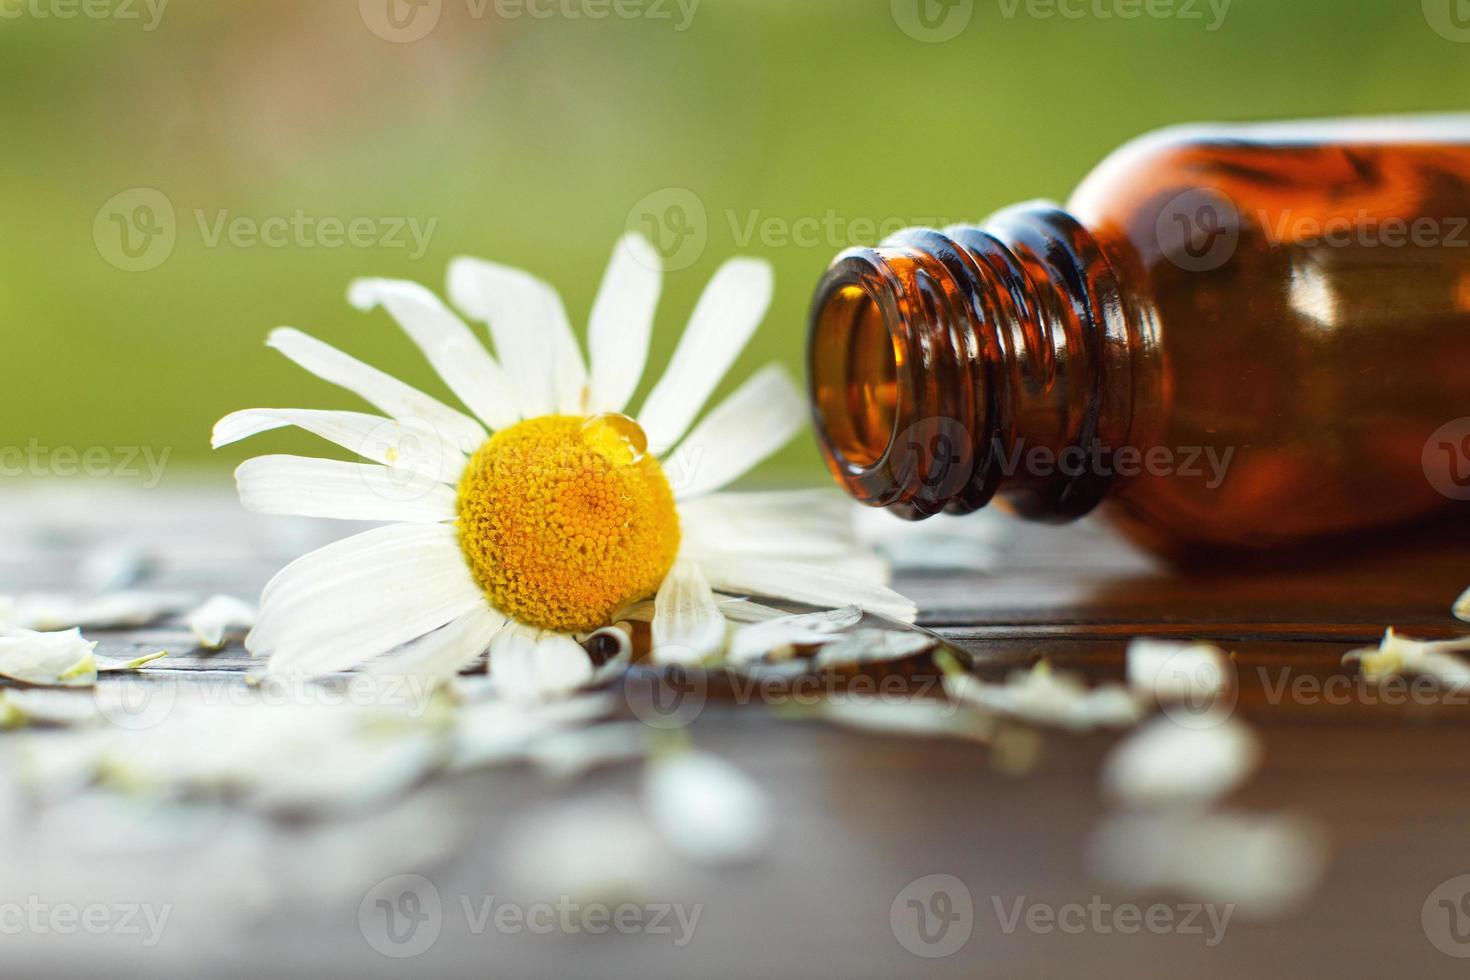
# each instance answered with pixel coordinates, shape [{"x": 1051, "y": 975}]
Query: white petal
[
  {"x": 756, "y": 641},
  {"x": 383, "y": 391},
  {"x": 1266, "y": 865},
  {"x": 799, "y": 524},
  {"x": 1165, "y": 762},
  {"x": 727, "y": 316},
  {"x": 115, "y": 565},
  {"x": 622, "y": 323},
  {"x": 596, "y": 849},
  {"x": 372, "y": 437},
  {"x": 45, "y": 706},
  {"x": 462, "y": 361},
  {"x": 920, "y": 718},
  {"x": 48, "y": 659},
  {"x": 528, "y": 666},
  {"x": 490, "y": 730},
  {"x": 874, "y": 646},
  {"x": 353, "y": 600},
  {"x": 763, "y": 415},
  {"x": 114, "y": 610},
  {"x": 445, "y": 652},
  {"x": 687, "y": 625},
  {"x": 707, "y": 810},
  {"x": 216, "y": 616},
  {"x": 1399, "y": 655},
  {"x": 307, "y": 487},
  {"x": 1170, "y": 672},
  {"x": 1047, "y": 697},
  {"x": 812, "y": 584},
  {"x": 1462, "y": 606},
  {"x": 533, "y": 336}
]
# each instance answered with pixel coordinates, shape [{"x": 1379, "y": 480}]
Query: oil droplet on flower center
[{"x": 564, "y": 520}]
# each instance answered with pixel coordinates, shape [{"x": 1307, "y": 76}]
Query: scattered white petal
[
  {"x": 707, "y": 809},
  {"x": 1398, "y": 656},
  {"x": 573, "y": 753},
  {"x": 112, "y": 665},
  {"x": 1166, "y": 763},
  {"x": 1267, "y": 865},
  {"x": 1462, "y": 606},
  {"x": 114, "y": 610},
  {"x": 46, "y": 706},
  {"x": 492, "y": 731},
  {"x": 112, "y": 567},
  {"x": 597, "y": 849},
  {"x": 912, "y": 717},
  {"x": 872, "y": 646},
  {"x": 1168, "y": 672},
  {"x": 775, "y": 636},
  {"x": 48, "y": 659},
  {"x": 218, "y": 615},
  {"x": 687, "y": 625},
  {"x": 1047, "y": 697}
]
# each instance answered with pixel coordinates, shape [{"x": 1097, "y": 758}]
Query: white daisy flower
[{"x": 542, "y": 513}]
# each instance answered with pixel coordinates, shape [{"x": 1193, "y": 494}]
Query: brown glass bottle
[{"x": 1238, "y": 336}]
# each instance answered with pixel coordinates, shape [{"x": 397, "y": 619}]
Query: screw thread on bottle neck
[{"x": 949, "y": 367}]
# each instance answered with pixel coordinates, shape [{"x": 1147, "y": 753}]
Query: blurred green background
[{"x": 536, "y": 140}]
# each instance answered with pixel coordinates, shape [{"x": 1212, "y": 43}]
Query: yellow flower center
[{"x": 564, "y": 520}]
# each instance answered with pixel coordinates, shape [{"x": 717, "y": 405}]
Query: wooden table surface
[{"x": 860, "y": 815}]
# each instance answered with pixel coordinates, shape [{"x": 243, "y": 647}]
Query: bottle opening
[{"x": 855, "y": 363}]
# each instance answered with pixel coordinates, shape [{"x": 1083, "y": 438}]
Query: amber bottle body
[{"x": 1231, "y": 336}]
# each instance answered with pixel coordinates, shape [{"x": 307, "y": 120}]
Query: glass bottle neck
[{"x": 949, "y": 367}]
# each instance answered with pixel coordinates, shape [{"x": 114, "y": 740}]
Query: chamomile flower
[{"x": 547, "y": 510}]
